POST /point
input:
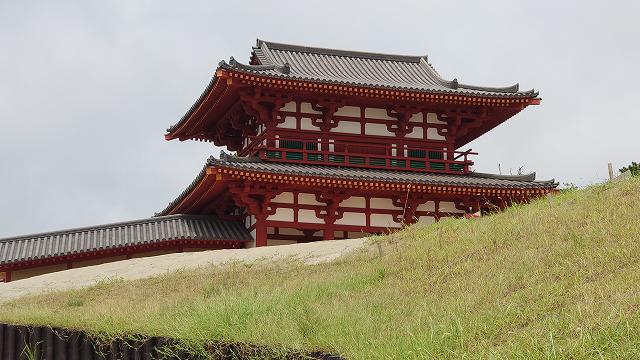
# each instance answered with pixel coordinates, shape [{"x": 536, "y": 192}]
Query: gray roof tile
[
  {"x": 119, "y": 235},
  {"x": 343, "y": 67}
]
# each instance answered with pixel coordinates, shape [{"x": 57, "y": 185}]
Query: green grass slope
[{"x": 559, "y": 278}]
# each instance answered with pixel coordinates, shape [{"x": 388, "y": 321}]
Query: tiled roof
[
  {"x": 386, "y": 71},
  {"x": 119, "y": 235},
  {"x": 472, "y": 179},
  {"x": 475, "y": 180}
]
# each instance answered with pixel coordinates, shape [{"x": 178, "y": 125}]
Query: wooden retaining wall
[{"x": 46, "y": 343}]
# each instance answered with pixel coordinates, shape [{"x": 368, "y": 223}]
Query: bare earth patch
[{"x": 310, "y": 253}]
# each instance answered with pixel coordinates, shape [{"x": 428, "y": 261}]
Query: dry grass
[{"x": 554, "y": 279}]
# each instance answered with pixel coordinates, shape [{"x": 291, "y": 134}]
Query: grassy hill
[{"x": 558, "y": 278}]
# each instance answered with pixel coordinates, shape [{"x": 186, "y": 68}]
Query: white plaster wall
[
  {"x": 416, "y": 133},
  {"x": 383, "y": 220},
  {"x": 432, "y": 118},
  {"x": 349, "y": 127},
  {"x": 352, "y": 111},
  {"x": 309, "y": 216},
  {"x": 271, "y": 230},
  {"x": 377, "y": 129},
  {"x": 382, "y": 203},
  {"x": 285, "y": 197},
  {"x": 448, "y": 206},
  {"x": 416, "y": 118},
  {"x": 308, "y": 199},
  {"x": 432, "y": 134},
  {"x": 282, "y": 214},
  {"x": 289, "y": 123},
  {"x": 305, "y": 107},
  {"x": 352, "y": 218},
  {"x": 376, "y": 113},
  {"x": 428, "y": 206},
  {"x": 290, "y": 106},
  {"x": 426, "y": 220},
  {"x": 354, "y": 201},
  {"x": 306, "y": 124}
]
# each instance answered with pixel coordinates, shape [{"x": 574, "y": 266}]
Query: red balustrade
[{"x": 361, "y": 155}]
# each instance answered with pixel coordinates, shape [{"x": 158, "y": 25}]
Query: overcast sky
[{"x": 88, "y": 88}]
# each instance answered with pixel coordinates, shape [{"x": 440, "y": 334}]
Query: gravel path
[{"x": 310, "y": 253}]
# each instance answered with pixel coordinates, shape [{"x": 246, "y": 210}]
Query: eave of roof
[
  {"x": 258, "y": 170},
  {"x": 382, "y": 74},
  {"x": 144, "y": 232}
]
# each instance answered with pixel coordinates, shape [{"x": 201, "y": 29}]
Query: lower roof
[
  {"x": 153, "y": 231},
  {"x": 471, "y": 180}
]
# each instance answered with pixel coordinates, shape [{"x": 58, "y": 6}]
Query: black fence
[{"x": 40, "y": 343}]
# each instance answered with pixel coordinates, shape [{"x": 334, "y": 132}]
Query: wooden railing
[{"x": 373, "y": 156}]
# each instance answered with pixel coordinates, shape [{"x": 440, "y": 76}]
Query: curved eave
[
  {"x": 194, "y": 118},
  {"x": 216, "y": 174},
  {"x": 451, "y": 96},
  {"x": 215, "y": 97}
]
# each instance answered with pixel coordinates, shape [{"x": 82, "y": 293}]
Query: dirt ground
[{"x": 311, "y": 253}]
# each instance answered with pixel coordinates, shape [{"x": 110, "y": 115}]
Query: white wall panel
[
  {"x": 282, "y": 214},
  {"x": 307, "y": 124},
  {"x": 376, "y": 113},
  {"x": 289, "y": 123},
  {"x": 309, "y": 216},
  {"x": 448, "y": 206},
  {"x": 354, "y": 201},
  {"x": 285, "y": 197},
  {"x": 428, "y": 206},
  {"x": 416, "y": 118},
  {"x": 432, "y": 118},
  {"x": 305, "y": 107},
  {"x": 352, "y": 111},
  {"x": 377, "y": 129},
  {"x": 383, "y": 220},
  {"x": 352, "y": 218},
  {"x": 417, "y": 133},
  {"x": 290, "y": 106},
  {"x": 382, "y": 203},
  {"x": 308, "y": 199},
  {"x": 426, "y": 220},
  {"x": 349, "y": 127}
]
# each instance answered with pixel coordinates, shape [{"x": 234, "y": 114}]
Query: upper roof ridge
[{"x": 261, "y": 44}]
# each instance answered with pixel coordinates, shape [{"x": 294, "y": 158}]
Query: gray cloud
[{"x": 88, "y": 88}]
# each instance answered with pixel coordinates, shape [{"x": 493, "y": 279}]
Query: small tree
[{"x": 634, "y": 168}]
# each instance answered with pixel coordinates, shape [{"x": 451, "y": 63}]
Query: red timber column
[
  {"x": 256, "y": 198},
  {"x": 7, "y": 276},
  {"x": 332, "y": 212}
]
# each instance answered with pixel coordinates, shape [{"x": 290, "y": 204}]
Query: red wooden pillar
[
  {"x": 328, "y": 233},
  {"x": 332, "y": 199},
  {"x": 261, "y": 231},
  {"x": 7, "y": 276}
]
